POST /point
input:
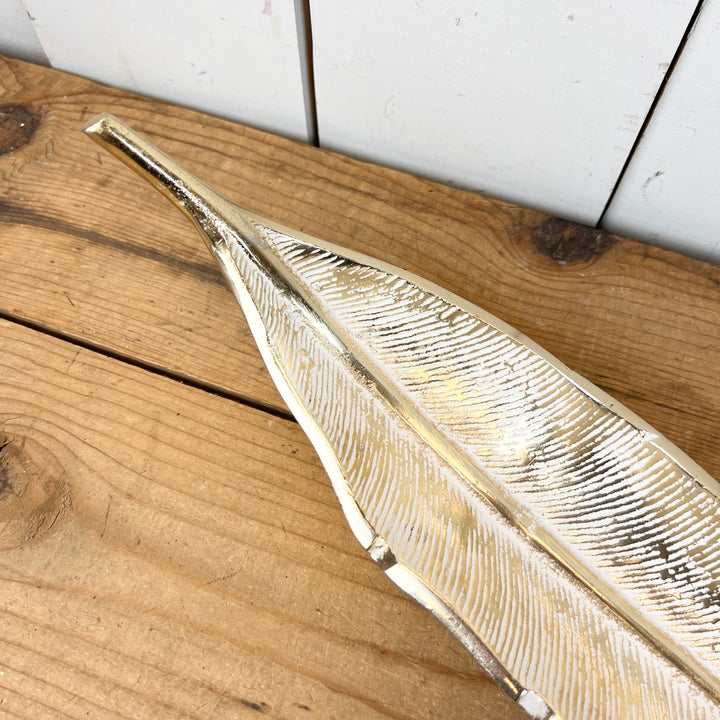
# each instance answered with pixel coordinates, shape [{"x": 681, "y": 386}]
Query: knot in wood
[
  {"x": 567, "y": 243},
  {"x": 18, "y": 124},
  {"x": 33, "y": 492}
]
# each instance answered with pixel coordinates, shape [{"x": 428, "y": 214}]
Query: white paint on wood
[
  {"x": 17, "y": 36},
  {"x": 539, "y": 103},
  {"x": 304, "y": 32},
  {"x": 670, "y": 194},
  {"x": 238, "y": 60}
]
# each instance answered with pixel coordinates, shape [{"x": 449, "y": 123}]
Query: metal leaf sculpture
[{"x": 572, "y": 549}]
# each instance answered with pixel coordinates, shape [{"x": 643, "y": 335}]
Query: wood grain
[
  {"x": 194, "y": 562},
  {"x": 90, "y": 251},
  {"x": 188, "y": 557}
]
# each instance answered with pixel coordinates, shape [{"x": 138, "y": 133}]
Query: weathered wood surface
[{"x": 170, "y": 551}]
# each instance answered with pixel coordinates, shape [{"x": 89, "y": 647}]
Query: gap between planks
[{"x": 208, "y": 387}]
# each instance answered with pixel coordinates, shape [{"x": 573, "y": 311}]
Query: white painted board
[
  {"x": 670, "y": 194},
  {"x": 17, "y": 36},
  {"x": 534, "y": 102},
  {"x": 238, "y": 60}
]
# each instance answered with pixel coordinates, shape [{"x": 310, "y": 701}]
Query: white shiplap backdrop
[
  {"x": 670, "y": 194},
  {"x": 541, "y": 103},
  {"x": 233, "y": 58}
]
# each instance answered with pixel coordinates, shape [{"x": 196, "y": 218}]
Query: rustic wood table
[{"x": 170, "y": 546}]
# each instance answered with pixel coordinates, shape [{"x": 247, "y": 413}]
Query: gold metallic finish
[{"x": 572, "y": 549}]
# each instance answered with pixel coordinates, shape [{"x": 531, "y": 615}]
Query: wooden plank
[
  {"x": 169, "y": 553},
  {"x": 671, "y": 190},
  {"x": 235, "y": 60},
  {"x": 530, "y": 102},
  {"x": 247, "y": 592},
  {"x": 88, "y": 250},
  {"x": 17, "y": 35}
]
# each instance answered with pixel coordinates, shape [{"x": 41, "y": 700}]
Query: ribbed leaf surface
[
  {"x": 565, "y": 534},
  {"x": 570, "y": 547}
]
